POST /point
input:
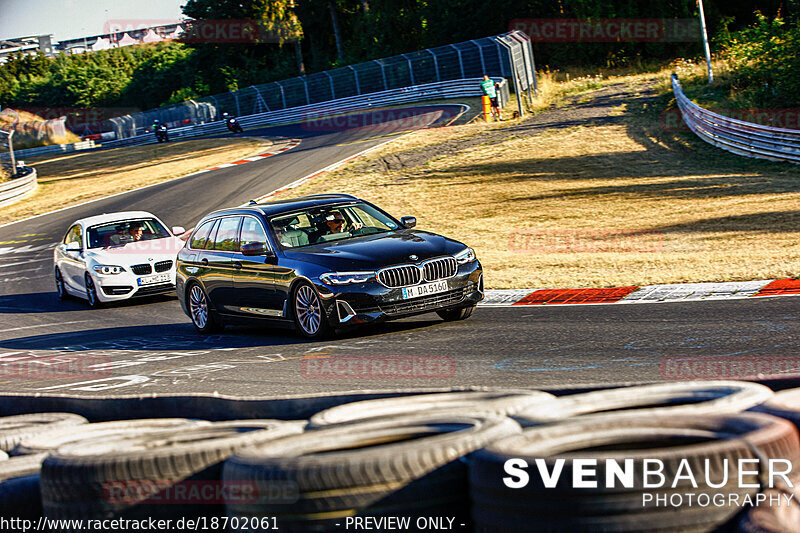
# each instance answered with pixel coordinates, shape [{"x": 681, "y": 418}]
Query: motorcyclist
[
  {"x": 232, "y": 123},
  {"x": 160, "y": 129}
]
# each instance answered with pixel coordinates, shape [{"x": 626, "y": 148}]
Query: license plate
[
  {"x": 424, "y": 290},
  {"x": 149, "y": 280}
]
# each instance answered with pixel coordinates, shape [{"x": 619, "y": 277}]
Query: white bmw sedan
[{"x": 116, "y": 256}]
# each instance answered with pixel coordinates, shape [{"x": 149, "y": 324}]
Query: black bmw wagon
[{"x": 322, "y": 262}]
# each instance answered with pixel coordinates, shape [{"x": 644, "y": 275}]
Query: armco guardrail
[
  {"x": 13, "y": 190},
  {"x": 737, "y": 136},
  {"x": 56, "y": 148},
  {"x": 469, "y": 87}
]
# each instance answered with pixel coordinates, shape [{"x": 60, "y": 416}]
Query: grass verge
[
  {"x": 71, "y": 179},
  {"x": 604, "y": 192}
]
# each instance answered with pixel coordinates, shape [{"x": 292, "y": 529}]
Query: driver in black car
[{"x": 334, "y": 222}]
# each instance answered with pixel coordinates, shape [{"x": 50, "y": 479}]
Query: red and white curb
[
  {"x": 679, "y": 292},
  {"x": 291, "y": 144}
]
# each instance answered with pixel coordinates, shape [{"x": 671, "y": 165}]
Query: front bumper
[
  {"x": 372, "y": 302},
  {"x": 125, "y": 286}
]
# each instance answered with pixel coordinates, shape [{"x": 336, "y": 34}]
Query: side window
[
  {"x": 73, "y": 235},
  {"x": 227, "y": 239},
  {"x": 252, "y": 231},
  {"x": 200, "y": 236}
]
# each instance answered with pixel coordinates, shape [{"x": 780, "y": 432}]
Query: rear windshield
[{"x": 120, "y": 233}]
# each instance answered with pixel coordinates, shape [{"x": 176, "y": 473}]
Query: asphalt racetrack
[{"x": 149, "y": 346}]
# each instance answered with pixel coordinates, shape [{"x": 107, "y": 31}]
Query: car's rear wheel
[
  {"x": 309, "y": 316},
  {"x": 61, "y": 291},
  {"x": 203, "y": 317},
  {"x": 450, "y": 315},
  {"x": 91, "y": 292}
]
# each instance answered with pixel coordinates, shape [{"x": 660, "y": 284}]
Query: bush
[{"x": 765, "y": 64}]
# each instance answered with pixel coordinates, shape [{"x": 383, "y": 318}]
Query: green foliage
[
  {"x": 148, "y": 76},
  {"x": 765, "y": 63}
]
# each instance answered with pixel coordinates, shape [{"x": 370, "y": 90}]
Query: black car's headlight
[
  {"x": 467, "y": 255},
  {"x": 108, "y": 270},
  {"x": 346, "y": 278}
]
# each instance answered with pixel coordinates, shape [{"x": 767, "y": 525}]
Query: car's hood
[
  {"x": 376, "y": 251},
  {"x": 138, "y": 252}
]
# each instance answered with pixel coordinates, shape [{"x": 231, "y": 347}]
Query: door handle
[
  {"x": 237, "y": 265},
  {"x": 204, "y": 261}
]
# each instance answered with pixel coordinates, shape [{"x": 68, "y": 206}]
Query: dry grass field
[
  {"x": 597, "y": 189},
  {"x": 71, "y": 179}
]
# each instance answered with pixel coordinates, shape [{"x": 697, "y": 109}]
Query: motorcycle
[
  {"x": 161, "y": 133},
  {"x": 233, "y": 125}
]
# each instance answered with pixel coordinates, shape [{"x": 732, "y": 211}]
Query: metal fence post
[
  {"x": 330, "y": 78},
  {"x": 283, "y": 94},
  {"x": 460, "y": 61},
  {"x": 480, "y": 51},
  {"x": 355, "y": 75},
  {"x": 383, "y": 73},
  {"x": 435, "y": 64},
  {"x": 305, "y": 84},
  {"x": 514, "y": 74},
  {"x": 236, "y": 98},
  {"x": 410, "y": 69},
  {"x": 11, "y": 151}
]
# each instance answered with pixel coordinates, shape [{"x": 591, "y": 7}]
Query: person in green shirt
[{"x": 490, "y": 88}]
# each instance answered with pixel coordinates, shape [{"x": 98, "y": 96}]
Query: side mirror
[
  {"x": 254, "y": 248},
  {"x": 74, "y": 247},
  {"x": 409, "y": 222},
  {"x": 178, "y": 230}
]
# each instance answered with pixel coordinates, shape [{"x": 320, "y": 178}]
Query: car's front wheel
[
  {"x": 450, "y": 315},
  {"x": 91, "y": 292},
  {"x": 61, "y": 291},
  {"x": 309, "y": 316},
  {"x": 203, "y": 317}
]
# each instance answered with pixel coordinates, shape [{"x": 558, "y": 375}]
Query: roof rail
[{"x": 330, "y": 195}]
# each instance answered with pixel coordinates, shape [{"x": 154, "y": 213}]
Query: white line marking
[
  {"x": 43, "y": 325},
  {"x": 21, "y": 263}
]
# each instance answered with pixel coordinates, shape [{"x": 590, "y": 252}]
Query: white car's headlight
[
  {"x": 108, "y": 270},
  {"x": 346, "y": 278},
  {"x": 467, "y": 255}
]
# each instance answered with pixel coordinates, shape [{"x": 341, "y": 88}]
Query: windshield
[
  {"x": 330, "y": 223},
  {"x": 123, "y": 232}
]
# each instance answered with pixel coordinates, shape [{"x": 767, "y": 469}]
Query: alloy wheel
[
  {"x": 198, "y": 306},
  {"x": 91, "y": 291},
  {"x": 308, "y": 310},
  {"x": 60, "y": 285}
]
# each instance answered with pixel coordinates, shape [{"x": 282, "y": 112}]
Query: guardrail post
[
  {"x": 236, "y": 99},
  {"x": 11, "y": 151}
]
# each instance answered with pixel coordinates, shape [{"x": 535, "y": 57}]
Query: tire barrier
[
  {"x": 499, "y": 403},
  {"x": 55, "y": 438},
  {"x": 362, "y": 455},
  {"x": 121, "y": 476},
  {"x": 785, "y": 404},
  {"x": 405, "y": 466},
  {"x": 713, "y": 443},
  {"x": 688, "y": 398},
  {"x": 15, "y": 428}
]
